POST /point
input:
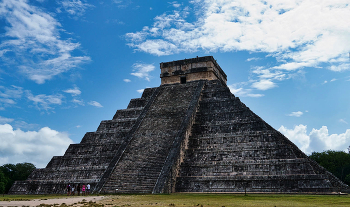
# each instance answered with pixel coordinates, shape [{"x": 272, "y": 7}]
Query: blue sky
[{"x": 66, "y": 65}]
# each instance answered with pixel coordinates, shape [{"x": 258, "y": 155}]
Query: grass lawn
[
  {"x": 226, "y": 200},
  {"x": 28, "y": 197},
  {"x": 215, "y": 200}
]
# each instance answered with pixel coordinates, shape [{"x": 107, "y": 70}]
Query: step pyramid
[{"x": 190, "y": 134}]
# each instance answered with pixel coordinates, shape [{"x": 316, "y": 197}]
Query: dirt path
[{"x": 36, "y": 202}]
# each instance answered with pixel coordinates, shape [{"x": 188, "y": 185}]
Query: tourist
[
  {"x": 73, "y": 190},
  {"x": 68, "y": 189},
  {"x": 83, "y": 190},
  {"x": 88, "y": 189},
  {"x": 78, "y": 189}
]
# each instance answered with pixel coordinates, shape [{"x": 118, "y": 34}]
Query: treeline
[
  {"x": 336, "y": 162},
  {"x": 9, "y": 173}
]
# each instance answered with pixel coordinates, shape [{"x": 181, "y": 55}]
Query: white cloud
[
  {"x": 298, "y": 136},
  {"x": 140, "y": 90},
  {"x": 4, "y": 120},
  {"x": 43, "y": 101},
  {"x": 264, "y": 84},
  {"x": 156, "y": 47},
  {"x": 122, "y": 3},
  {"x": 127, "y": 80},
  {"x": 264, "y": 74},
  {"x": 32, "y": 42},
  {"x": 79, "y": 102},
  {"x": 36, "y": 147},
  {"x": 142, "y": 70},
  {"x": 340, "y": 67},
  {"x": 343, "y": 121},
  {"x": 8, "y": 95},
  {"x": 316, "y": 140},
  {"x": 296, "y": 114},
  {"x": 253, "y": 59},
  {"x": 74, "y": 7},
  {"x": 7, "y": 101},
  {"x": 239, "y": 91},
  {"x": 175, "y": 4},
  {"x": 73, "y": 91},
  {"x": 298, "y": 34},
  {"x": 12, "y": 92},
  {"x": 24, "y": 125},
  {"x": 95, "y": 103}
]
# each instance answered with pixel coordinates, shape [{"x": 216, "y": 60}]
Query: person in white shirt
[{"x": 88, "y": 189}]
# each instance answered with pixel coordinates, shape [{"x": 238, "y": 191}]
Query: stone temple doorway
[{"x": 183, "y": 79}]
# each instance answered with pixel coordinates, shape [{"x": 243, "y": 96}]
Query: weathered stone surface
[
  {"x": 232, "y": 149},
  {"x": 189, "y": 137}
]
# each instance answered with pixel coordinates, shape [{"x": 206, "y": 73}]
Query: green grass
[
  {"x": 198, "y": 200},
  {"x": 227, "y": 200},
  {"x": 28, "y": 197}
]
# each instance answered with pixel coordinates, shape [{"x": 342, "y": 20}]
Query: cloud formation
[
  {"x": 4, "y": 120},
  {"x": 9, "y": 95},
  {"x": 142, "y": 70},
  {"x": 240, "y": 91},
  {"x": 317, "y": 140},
  {"x": 73, "y": 91},
  {"x": 95, "y": 103},
  {"x": 74, "y": 7},
  {"x": 296, "y": 33},
  {"x": 296, "y": 114},
  {"x": 20, "y": 146},
  {"x": 45, "y": 102},
  {"x": 140, "y": 90},
  {"x": 32, "y": 42}
]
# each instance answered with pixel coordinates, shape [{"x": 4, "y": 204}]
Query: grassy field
[
  {"x": 215, "y": 200},
  {"x": 28, "y": 197},
  {"x": 226, "y": 200}
]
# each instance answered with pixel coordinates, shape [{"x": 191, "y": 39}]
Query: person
[
  {"x": 83, "y": 190},
  {"x": 88, "y": 189},
  {"x": 68, "y": 189},
  {"x": 78, "y": 189},
  {"x": 73, "y": 190}
]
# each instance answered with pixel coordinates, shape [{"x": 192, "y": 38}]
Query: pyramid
[{"x": 190, "y": 134}]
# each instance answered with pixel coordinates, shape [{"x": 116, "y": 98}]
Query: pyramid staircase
[{"x": 231, "y": 149}]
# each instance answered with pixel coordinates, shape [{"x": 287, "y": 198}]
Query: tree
[
  {"x": 336, "y": 162},
  {"x": 12, "y": 173},
  {"x": 3, "y": 182}
]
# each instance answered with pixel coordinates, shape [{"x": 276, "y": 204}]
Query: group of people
[{"x": 84, "y": 190}]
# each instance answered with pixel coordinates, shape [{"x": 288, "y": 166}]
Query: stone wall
[
  {"x": 202, "y": 68},
  {"x": 231, "y": 149}
]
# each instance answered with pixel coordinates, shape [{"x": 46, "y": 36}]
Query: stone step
[
  {"x": 137, "y": 103},
  {"x": 100, "y": 137},
  {"x": 128, "y": 113},
  {"x": 116, "y": 124},
  {"x": 251, "y": 183},
  {"x": 145, "y": 155},
  {"x": 226, "y": 155}
]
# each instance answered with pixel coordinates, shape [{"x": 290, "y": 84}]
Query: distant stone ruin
[{"x": 190, "y": 134}]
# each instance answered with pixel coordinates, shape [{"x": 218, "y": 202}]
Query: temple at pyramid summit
[{"x": 190, "y": 134}]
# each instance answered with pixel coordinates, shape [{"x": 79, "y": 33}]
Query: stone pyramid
[{"x": 190, "y": 134}]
